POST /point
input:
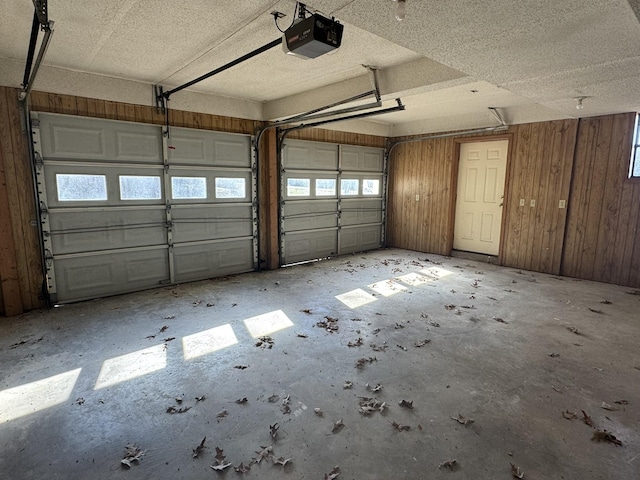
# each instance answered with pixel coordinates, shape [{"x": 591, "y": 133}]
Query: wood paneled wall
[
  {"x": 585, "y": 163},
  {"x": 603, "y": 230},
  {"x": 20, "y": 265},
  {"x": 344, "y": 138},
  {"x": 539, "y": 168}
]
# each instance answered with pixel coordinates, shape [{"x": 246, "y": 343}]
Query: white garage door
[
  {"x": 332, "y": 200},
  {"x": 124, "y": 208}
]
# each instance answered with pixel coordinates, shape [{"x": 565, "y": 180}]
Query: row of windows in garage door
[
  {"x": 326, "y": 187},
  {"x": 91, "y": 188}
]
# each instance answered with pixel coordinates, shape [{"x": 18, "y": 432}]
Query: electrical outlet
[
  {"x": 417, "y": 197},
  {"x": 522, "y": 202},
  {"x": 533, "y": 203},
  {"x": 562, "y": 204}
]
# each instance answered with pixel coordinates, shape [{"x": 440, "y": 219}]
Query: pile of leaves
[
  {"x": 370, "y": 405},
  {"x": 265, "y": 342},
  {"x": 330, "y": 324}
]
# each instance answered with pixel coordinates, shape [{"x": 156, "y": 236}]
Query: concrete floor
[{"x": 87, "y": 381}]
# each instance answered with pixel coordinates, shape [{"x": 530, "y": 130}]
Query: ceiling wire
[{"x": 213, "y": 47}]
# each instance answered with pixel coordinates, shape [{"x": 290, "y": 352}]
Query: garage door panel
[
  {"x": 310, "y": 215},
  {"x": 197, "y": 223},
  {"x": 358, "y": 239},
  {"x": 313, "y": 155},
  {"x": 194, "y": 186},
  {"x": 307, "y": 245},
  {"x": 356, "y": 212},
  {"x": 81, "y": 138},
  {"x": 89, "y": 276},
  {"x": 78, "y": 231},
  {"x": 206, "y": 260},
  {"x": 361, "y": 159},
  {"x": 206, "y": 148}
]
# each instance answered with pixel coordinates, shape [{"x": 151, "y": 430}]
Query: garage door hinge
[
  {"x": 43, "y": 208},
  {"x": 37, "y": 159},
  {"x": 48, "y": 256},
  {"x": 166, "y": 168}
]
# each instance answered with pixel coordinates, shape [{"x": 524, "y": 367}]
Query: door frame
[{"x": 454, "y": 186}]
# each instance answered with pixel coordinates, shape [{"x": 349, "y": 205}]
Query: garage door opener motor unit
[{"x": 312, "y": 36}]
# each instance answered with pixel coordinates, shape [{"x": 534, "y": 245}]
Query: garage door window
[
  {"x": 370, "y": 187},
  {"x": 137, "y": 187},
  {"x": 349, "y": 186},
  {"x": 230, "y": 188},
  {"x": 325, "y": 187},
  {"x": 298, "y": 187},
  {"x": 74, "y": 188},
  {"x": 188, "y": 187}
]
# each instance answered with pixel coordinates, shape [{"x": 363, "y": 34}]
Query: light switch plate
[
  {"x": 562, "y": 204},
  {"x": 417, "y": 197},
  {"x": 533, "y": 203},
  {"x": 522, "y": 202}
]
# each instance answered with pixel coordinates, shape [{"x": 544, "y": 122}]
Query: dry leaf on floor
[
  {"x": 221, "y": 415},
  {"x": 434, "y": 324},
  {"x": 468, "y": 307},
  {"x": 361, "y": 362},
  {"x": 569, "y": 415},
  {"x": 201, "y": 398},
  {"x": 241, "y": 367},
  {"x": 587, "y": 419},
  {"x": 132, "y": 453},
  {"x": 406, "y": 403},
  {"x": 164, "y": 328},
  {"x": 450, "y": 307},
  {"x": 262, "y": 454},
  {"x": 595, "y": 310},
  {"x": 463, "y": 420},
  {"x": 337, "y": 426},
  {"x": 401, "y": 347},
  {"x": 265, "y": 342},
  {"x": 493, "y": 298},
  {"x": 332, "y": 474},
  {"x": 475, "y": 284},
  {"x": 347, "y": 385},
  {"x": 605, "y": 302},
  {"x": 516, "y": 472},
  {"x": 150, "y": 337},
  {"x": 221, "y": 466},
  {"x": 168, "y": 339},
  {"x": 379, "y": 348},
  {"x": 199, "y": 448},
  {"x": 606, "y": 406},
  {"x": 574, "y": 330},
  {"x": 398, "y": 326},
  {"x": 169, "y": 317},
  {"x": 400, "y": 427},
  {"x": 306, "y": 310},
  {"x": 604, "y": 436},
  {"x": 178, "y": 399},
  {"x": 209, "y": 304},
  {"x": 499, "y": 320},
  {"x": 450, "y": 464},
  {"x": 377, "y": 388},
  {"x": 173, "y": 409},
  {"x": 280, "y": 461},
  {"x": 302, "y": 335},
  {"x": 622, "y": 402},
  {"x": 285, "y": 405},
  {"x": 634, "y": 292},
  {"x": 330, "y": 324},
  {"x": 422, "y": 343},
  {"x": 273, "y": 398},
  {"x": 357, "y": 343},
  {"x": 79, "y": 401},
  {"x": 318, "y": 412},
  {"x": 273, "y": 430},
  {"x": 375, "y": 331},
  {"x": 242, "y": 468},
  {"x": 242, "y": 400},
  {"x": 554, "y": 355}
]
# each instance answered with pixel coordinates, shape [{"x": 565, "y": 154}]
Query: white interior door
[{"x": 481, "y": 178}]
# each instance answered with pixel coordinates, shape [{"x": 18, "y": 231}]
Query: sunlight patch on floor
[
  {"x": 356, "y": 298},
  {"x": 32, "y": 397},
  {"x": 132, "y": 365},
  {"x": 387, "y": 288},
  {"x": 267, "y": 323},
  {"x": 208, "y": 341}
]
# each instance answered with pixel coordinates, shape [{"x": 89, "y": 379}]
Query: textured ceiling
[{"x": 529, "y": 59}]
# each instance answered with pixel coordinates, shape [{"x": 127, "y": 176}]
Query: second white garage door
[
  {"x": 332, "y": 200},
  {"x": 124, "y": 208}
]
